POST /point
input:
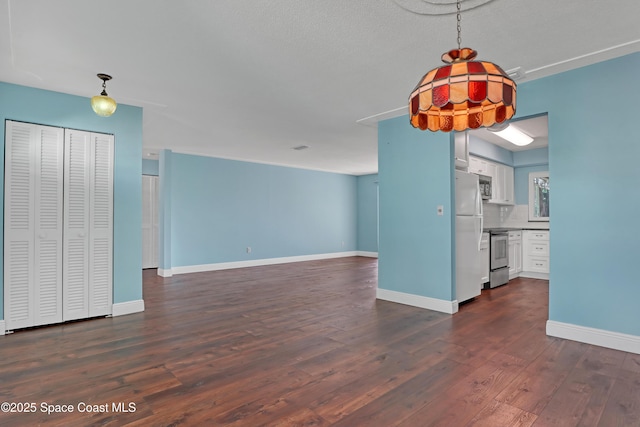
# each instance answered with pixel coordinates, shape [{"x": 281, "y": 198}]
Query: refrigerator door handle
[
  {"x": 480, "y": 213},
  {"x": 478, "y": 200}
]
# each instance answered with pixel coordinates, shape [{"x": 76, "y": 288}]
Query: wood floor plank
[
  {"x": 580, "y": 400},
  {"x": 397, "y": 404},
  {"x": 503, "y": 415},
  {"x": 631, "y": 363},
  {"x": 309, "y": 344},
  {"x": 623, "y": 405},
  {"x": 461, "y": 402},
  {"x": 535, "y": 387}
]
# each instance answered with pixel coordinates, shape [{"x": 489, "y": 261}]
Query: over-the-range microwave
[{"x": 485, "y": 186}]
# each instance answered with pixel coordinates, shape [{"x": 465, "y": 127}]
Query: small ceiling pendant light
[
  {"x": 464, "y": 94},
  {"x": 102, "y": 104}
]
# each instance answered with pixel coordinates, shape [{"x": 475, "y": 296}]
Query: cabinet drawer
[
  {"x": 538, "y": 248},
  {"x": 515, "y": 235},
  {"x": 538, "y": 235},
  {"x": 539, "y": 265}
]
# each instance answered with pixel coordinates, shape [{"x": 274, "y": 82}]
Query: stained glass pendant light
[
  {"x": 464, "y": 94},
  {"x": 102, "y": 104}
]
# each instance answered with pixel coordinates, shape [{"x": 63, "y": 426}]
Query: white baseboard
[
  {"x": 367, "y": 254},
  {"x": 599, "y": 337},
  {"x": 443, "y": 306},
  {"x": 129, "y": 307},
  {"x": 534, "y": 275},
  {"x": 165, "y": 273},
  {"x": 257, "y": 262},
  {"x": 2, "y": 327}
]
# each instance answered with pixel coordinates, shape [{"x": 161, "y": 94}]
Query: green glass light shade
[{"x": 103, "y": 105}]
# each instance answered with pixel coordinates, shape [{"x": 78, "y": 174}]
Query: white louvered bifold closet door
[
  {"x": 76, "y": 224},
  {"x": 101, "y": 226},
  {"x": 33, "y": 225},
  {"x": 88, "y": 219}
]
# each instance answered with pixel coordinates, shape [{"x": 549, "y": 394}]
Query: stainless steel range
[{"x": 499, "y": 256}]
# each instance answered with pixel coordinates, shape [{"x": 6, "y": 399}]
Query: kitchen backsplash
[{"x": 516, "y": 216}]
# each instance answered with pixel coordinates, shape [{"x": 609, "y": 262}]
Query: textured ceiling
[{"x": 251, "y": 79}]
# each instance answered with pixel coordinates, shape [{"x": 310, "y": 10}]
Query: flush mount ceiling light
[
  {"x": 102, "y": 104},
  {"x": 512, "y": 134},
  {"x": 464, "y": 94}
]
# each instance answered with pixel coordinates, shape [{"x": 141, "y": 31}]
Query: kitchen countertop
[{"x": 493, "y": 229}]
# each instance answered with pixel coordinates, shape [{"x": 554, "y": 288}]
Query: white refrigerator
[{"x": 469, "y": 224}]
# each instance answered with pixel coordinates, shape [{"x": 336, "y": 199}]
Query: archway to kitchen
[{"x": 515, "y": 239}]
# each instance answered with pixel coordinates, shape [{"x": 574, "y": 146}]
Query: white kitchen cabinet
[
  {"x": 502, "y": 184},
  {"x": 502, "y": 188},
  {"x": 497, "y": 187},
  {"x": 461, "y": 141},
  {"x": 477, "y": 165},
  {"x": 58, "y": 225},
  {"x": 505, "y": 181},
  {"x": 515, "y": 254},
  {"x": 484, "y": 257},
  {"x": 535, "y": 254}
]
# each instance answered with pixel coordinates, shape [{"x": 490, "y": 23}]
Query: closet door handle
[{"x": 42, "y": 235}]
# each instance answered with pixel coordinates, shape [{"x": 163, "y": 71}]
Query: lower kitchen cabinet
[
  {"x": 484, "y": 256},
  {"x": 535, "y": 254},
  {"x": 515, "y": 254}
]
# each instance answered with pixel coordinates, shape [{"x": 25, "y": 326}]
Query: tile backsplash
[{"x": 516, "y": 216}]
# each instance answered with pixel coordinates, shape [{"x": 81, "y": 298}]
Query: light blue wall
[
  {"x": 481, "y": 148},
  {"x": 521, "y": 182},
  {"x": 535, "y": 157},
  {"x": 415, "y": 171},
  {"x": 368, "y": 213},
  {"x": 57, "y": 109},
  {"x": 525, "y": 162},
  {"x": 150, "y": 167},
  {"x": 593, "y": 155},
  {"x": 220, "y": 207}
]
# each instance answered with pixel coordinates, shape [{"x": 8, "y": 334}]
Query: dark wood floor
[{"x": 308, "y": 344}]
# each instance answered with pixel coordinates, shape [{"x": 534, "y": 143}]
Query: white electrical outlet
[{"x": 248, "y": 249}]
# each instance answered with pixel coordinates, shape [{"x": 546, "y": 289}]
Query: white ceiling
[
  {"x": 250, "y": 79},
  {"x": 536, "y": 127}
]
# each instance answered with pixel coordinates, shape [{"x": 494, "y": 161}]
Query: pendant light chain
[{"x": 459, "y": 18}]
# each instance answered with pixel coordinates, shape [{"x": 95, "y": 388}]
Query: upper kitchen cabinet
[
  {"x": 461, "y": 141},
  {"x": 478, "y": 166},
  {"x": 502, "y": 184}
]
